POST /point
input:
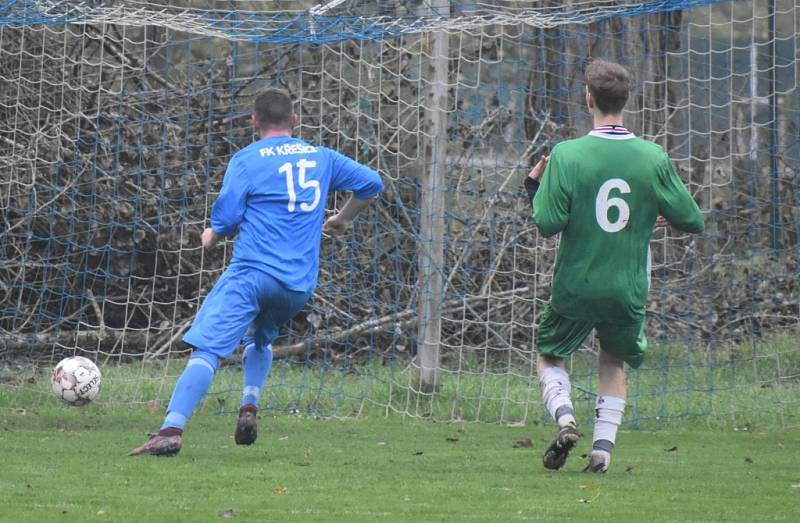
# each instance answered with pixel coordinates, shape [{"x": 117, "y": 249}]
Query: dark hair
[
  {"x": 273, "y": 109},
  {"x": 609, "y": 84}
]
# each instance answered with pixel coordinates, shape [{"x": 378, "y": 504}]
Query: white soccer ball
[{"x": 76, "y": 380}]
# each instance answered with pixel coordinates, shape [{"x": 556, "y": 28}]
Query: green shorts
[{"x": 559, "y": 337}]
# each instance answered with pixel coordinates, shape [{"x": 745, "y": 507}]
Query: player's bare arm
[
  {"x": 209, "y": 238},
  {"x": 338, "y": 224},
  {"x": 538, "y": 169}
]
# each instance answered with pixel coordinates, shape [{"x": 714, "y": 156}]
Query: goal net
[{"x": 117, "y": 120}]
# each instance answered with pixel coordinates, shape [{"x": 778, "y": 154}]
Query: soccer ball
[{"x": 76, "y": 380}]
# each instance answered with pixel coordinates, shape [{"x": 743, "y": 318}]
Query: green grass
[
  {"x": 733, "y": 417},
  {"x": 69, "y": 464}
]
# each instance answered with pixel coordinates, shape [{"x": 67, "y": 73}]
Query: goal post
[{"x": 432, "y": 219}]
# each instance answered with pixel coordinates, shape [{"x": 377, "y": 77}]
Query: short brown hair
[
  {"x": 273, "y": 109},
  {"x": 609, "y": 84}
]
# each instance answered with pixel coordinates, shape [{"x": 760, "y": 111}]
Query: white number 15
[{"x": 302, "y": 165}]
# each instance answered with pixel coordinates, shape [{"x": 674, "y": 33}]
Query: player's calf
[{"x": 247, "y": 425}]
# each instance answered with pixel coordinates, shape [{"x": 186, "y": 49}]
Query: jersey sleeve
[
  {"x": 674, "y": 201},
  {"x": 349, "y": 175},
  {"x": 228, "y": 211},
  {"x": 551, "y": 205}
]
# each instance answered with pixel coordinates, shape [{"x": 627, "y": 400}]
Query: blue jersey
[{"x": 274, "y": 193}]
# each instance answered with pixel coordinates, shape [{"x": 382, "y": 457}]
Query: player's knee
[
  {"x": 546, "y": 361},
  {"x": 257, "y": 347},
  {"x": 609, "y": 359},
  {"x": 207, "y": 357}
]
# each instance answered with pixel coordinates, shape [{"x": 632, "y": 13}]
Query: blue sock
[
  {"x": 256, "y": 365},
  {"x": 190, "y": 389}
]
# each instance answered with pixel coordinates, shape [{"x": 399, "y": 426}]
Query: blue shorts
[{"x": 243, "y": 298}]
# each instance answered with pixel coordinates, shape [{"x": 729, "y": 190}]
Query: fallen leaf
[
  {"x": 629, "y": 469},
  {"x": 307, "y": 455},
  {"x": 280, "y": 490},
  {"x": 587, "y": 486},
  {"x": 452, "y": 440},
  {"x": 152, "y": 406},
  {"x": 21, "y": 412},
  {"x": 227, "y": 514},
  {"x": 673, "y": 449},
  {"x": 283, "y": 438},
  {"x": 61, "y": 428},
  {"x": 748, "y": 460},
  {"x": 584, "y": 500},
  {"x": 524, "y": 443},
  {"x": 419, "y": 453},
  {"x": 516, "y": 424},
  {"x": 101, "y": 512},
  {"x": 381, "y": 443},
  {"x": 796, "y": 485},
  {"x": 223, "y": 446},
  {"x": 28, "y": 486}
]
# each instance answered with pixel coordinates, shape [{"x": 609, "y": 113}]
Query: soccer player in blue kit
[{"x": 274, "y": 195}]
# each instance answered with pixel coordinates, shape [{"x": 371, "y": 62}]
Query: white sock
[
  {"x": 555, "y": 387},
  {"x": 608, "y": 417}
]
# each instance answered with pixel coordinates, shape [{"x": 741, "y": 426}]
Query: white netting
[
  {"x": 118, "y": 120},
  {"x": 276, "y": 21}
]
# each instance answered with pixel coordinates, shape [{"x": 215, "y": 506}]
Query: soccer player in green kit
[{"x": 603, "y": 192}]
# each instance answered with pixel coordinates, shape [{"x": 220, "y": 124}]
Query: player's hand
[
  {"x": 661, "y": 221},
  {"x": 209, "y": 238},
  {"x": 336, "y": 225},
  {"x": 538, "y": 169}
]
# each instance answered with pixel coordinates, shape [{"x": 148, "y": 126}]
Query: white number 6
[{"x": 604, "y": 203}]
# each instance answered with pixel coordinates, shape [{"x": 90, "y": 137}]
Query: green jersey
[{"x": 603, "y": 192}]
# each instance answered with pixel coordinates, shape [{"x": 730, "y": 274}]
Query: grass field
[
  {"x": 66, "y": 464},
  {"x": 726, "y": 448}
]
